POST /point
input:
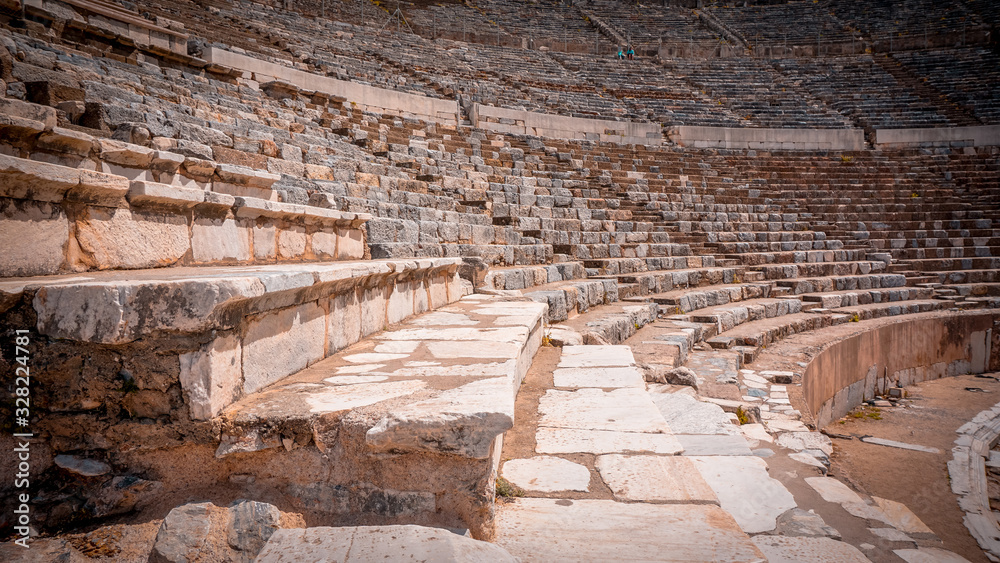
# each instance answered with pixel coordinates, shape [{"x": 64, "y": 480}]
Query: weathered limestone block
[
  {"x": 400, "y": 302},
  {"x": 323, "y": 244},
  {"x": 373, "y": 310},
  {"x": 462, "y": 421},
  {"x": 343, "y": 322},
  {"x": 281, "y": 343},
  {"x": 375, "y": 543},
  {"x": 219, "y": 240},
  {"x": 28, "y": 179},
  {"x": 120, "y": 238},
  {"x": 350, "y": 244},
  {"x": 265, "y": 241},
  {"x": 34, "y": 237},
  {"x": 211, "y": 376},
  {"x": 154, "y": 193},
  {"x": 120, "y": 311},
  {"x": 292, "y": 242}
]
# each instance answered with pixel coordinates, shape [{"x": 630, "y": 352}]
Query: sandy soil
[{"x": 930, "y": 416}]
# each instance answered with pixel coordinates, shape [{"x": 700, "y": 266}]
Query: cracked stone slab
[
  {"x": 657, "y": 479},
  {"x": 780, "y": 549},
  {"x": 547, "y": 474},
  {"x": 929, "y": 555},
  {"x": 714, "y": 444},
  {"x": 598, "y": 377},
  {"x": 377, "y": 543},
  {"x": 536, "y": 529},
  {"x": 625, "y": 410},
  {"x": 596, "y": 356},
  {"x": 687, "y": 415},
  {"x": 890, "y": 534},
  {"x": 574, "y": 440},
  {"x": 900, "y": 445},
  {"x": 745, "y": 490}
]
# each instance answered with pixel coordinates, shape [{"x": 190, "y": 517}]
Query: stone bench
[{"x": 114, "y": 223}]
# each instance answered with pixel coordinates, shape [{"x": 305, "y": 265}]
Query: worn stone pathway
[{"x": 626, "y": 470}]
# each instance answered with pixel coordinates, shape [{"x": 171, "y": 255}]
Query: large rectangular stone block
[
  {"x": 219, "y": 240},
  {"x": 211, "y": 376},
  {"x": 281, "y": 343}
]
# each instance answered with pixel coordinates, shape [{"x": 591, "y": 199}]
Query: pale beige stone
[
  {"x": 350, "y": 244},
  {"x": 33, "y": 236},
  {"x": 537, "y": 529},
  {"x": 661, "y": 479},
  {"x": 265, "y": 241},
  {"x": 400, "y": 303},
  {"x": 215, "y": 240},
  {"x": 324, "y": 244},
  {"x": 378, "y": 543},
  {"x": 281, "y": 343},
  {"x": 119, "y": 238},
  {"x": 780, "y": 549},
  {"x": 373, "y": 310},
  {"x": 547, "y": 474},
  {"x": 211, "y": 376},
  {"x": 292, "y": 242},
  {"x": 574, "y": 440},
  {"x": 344, "y": 322}
]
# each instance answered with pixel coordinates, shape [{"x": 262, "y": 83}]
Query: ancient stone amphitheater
[{"x": 331, "y": 280}]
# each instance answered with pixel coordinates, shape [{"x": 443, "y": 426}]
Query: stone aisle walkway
[{"x": 620, "y": 470}]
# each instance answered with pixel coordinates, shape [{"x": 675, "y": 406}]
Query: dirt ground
[{"x": 929, "y": 416}]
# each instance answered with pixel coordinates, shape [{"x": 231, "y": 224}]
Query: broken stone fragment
[{"x": 82, "y": 466}]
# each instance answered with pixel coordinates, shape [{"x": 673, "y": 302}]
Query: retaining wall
[
  {"x": 365, "y": 97},
  {"x": 768, "y": 139},
  {"x": 979, "y": 136},
  {"x": 503, "y": 120},
  {"x": 848, "y": 372}
]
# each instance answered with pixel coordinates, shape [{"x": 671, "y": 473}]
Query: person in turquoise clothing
[{"x": 631, "y": 53}]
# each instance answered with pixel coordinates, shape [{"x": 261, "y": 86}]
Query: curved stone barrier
[
  {"x": 847, "y": 372},
  {"x": 967, "y": 470}
]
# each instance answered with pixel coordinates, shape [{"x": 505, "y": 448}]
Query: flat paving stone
[
  {"x": 687, "y": 415},
  {"x": 596, "y": 356},
  {"x": 598, "y": 377},
  {"x": 377, "y": 543},
  {"x": 753, "y": 432},
  {"x": 901, "y": 517},
  {"x": 890, "y": 534},
  {"x": 573, "y": 440},
  {"x": 929, "y": 555},
  {"x": 713, "y": 444},
  {"x": 535, "y": 529},
  {"x": 833, "y": 490},
  {"x": 779, "y": 549},
  {"x": 624, "y": 410},
  {"x": 659, "y": 479},
  {"x": 900, "y": 445},
  {"x": 547, "y": 474},
  {"x": 745, "y": 490},
  {"x": 780, "y": 425}
]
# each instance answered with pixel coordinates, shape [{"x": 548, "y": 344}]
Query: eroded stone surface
[
  {"x": 779, "y": 549},
  {"x": 687, "y": 415},
  {"x": 625, "y": 410},
  {"x": 658, "y": 479},
  {"x": 547, "y": 474},
  {"x": 745, "y": 490},
  {"x": 598, "y": 377},
  {"x": 535, "y": 529},
  {"x": 575, "y": 440},
  {"x": 377, "y": 543}
]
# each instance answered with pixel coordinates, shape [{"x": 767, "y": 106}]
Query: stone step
[
  {"x": 837, "y": 283},
  {"x": 436, "y": 391},
  {"x": 567, "y": 299},
  {"x": 835, "y": 299},
  {"x": 605, "y": 324},
  {"x": 818, "y": 269},
  {"x": 680, "y": 301},
  {"x": 619, "y": 266},
  {"x": 522, "y": 277}
]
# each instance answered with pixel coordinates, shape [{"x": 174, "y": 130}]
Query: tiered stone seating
[
  {"x": 548, "y": 23},
  {"x": 804, "y": 24},
  {"x": 756, "y": 93},
  {"x": 968, "y": 77},
  {"x": 861, "y": 89},
  {"x": 916, "y": 24},
  {"x": 651, "y": 26},
  {"x": 272, "y": 283}
]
